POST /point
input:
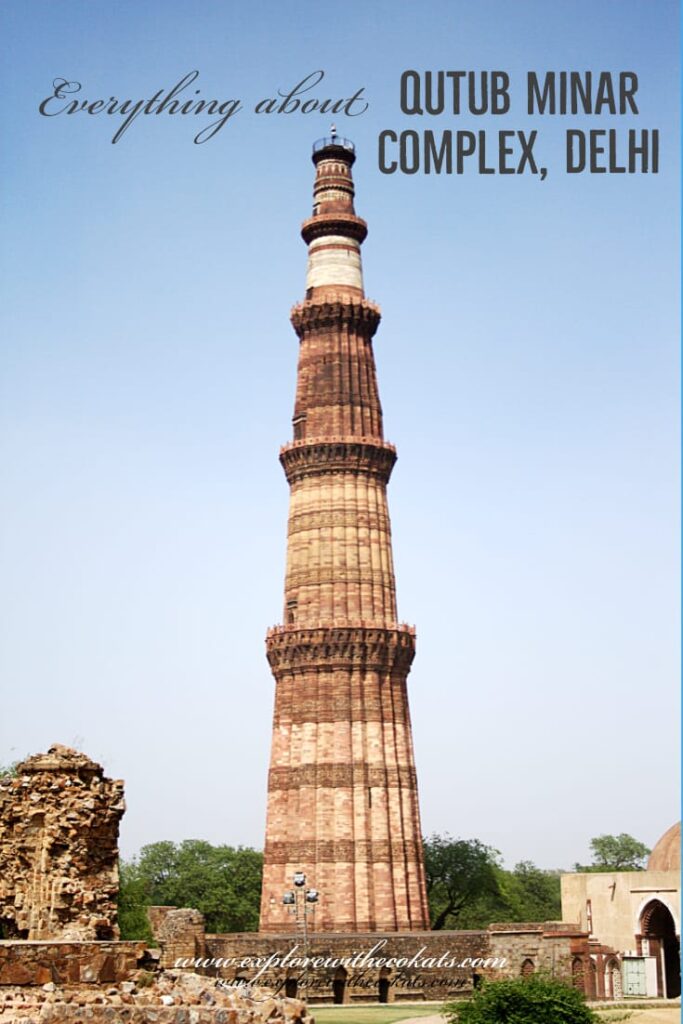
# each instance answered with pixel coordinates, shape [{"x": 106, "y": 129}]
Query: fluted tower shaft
[{"x": 342, "y": 789}]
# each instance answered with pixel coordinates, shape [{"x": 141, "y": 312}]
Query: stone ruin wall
[
  {"x": 167, "y": 997},
  {"x": 59, "y": 822},
  {"x": 557, "y": 948},
  {"x": 59, "y": 826},
  {"x": 60, "y": 961},
  {"x": 180, "y": 933},
  {"x": 34, "y": 964}
]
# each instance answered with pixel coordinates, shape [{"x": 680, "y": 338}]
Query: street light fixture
[{"x": 301, "y": 902}]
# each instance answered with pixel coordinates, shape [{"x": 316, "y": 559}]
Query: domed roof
[{"x": 666, "y": 855}]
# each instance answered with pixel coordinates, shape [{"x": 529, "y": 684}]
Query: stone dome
[{"x": 666, "y": 855}]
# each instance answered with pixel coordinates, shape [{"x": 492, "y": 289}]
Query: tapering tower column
[{"x": 342, "y": 789}]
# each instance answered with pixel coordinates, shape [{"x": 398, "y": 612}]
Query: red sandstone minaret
[{"x": 342, "y": 789}]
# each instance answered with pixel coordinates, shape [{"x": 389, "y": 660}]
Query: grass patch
[{"x": 384, "y": 1014}]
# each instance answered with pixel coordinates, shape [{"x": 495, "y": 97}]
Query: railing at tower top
[
  {"x": 328, "y": 439},
  {"x": 334, "y": 140},
  {"x": 300, "y": 627}
]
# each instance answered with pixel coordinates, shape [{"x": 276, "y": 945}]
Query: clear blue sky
[{"x": 528, "y": 362}]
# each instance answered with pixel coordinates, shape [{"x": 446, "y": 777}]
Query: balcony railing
[
  {"x": 295, "y": 627},
  {"x": 334, "y": 140},
  {"x": 306, "y": 442}
]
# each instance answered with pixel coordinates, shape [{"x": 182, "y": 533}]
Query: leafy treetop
[{"x": 616, "y": 853}]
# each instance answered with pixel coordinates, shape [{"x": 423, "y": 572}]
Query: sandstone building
[
  {"x": 637, "y": 913},
  {"x": 342, "y": 788}
]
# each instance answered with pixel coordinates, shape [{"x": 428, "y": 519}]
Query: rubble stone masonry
[
  {"x": 171, "y": 997},
  {"x": 59, "y": 825}
]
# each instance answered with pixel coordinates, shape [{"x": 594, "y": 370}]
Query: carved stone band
[
  {"x": 363, "y": 648},
  {"x": 334, "y": 313},
  {"x": 374, "y": 459},
  {"x": 331, "y": 776},
  {"x": 334, "y": 224},
  {"x": 343, "y": 851}
]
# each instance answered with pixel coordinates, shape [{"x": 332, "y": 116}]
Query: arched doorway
[
  {"x": 527, "y": 968},
  {"x": 339, "y": 986},
  {"x": 658, "y": 930},
  {"x": 577, "y": 974},
  {"x": 613, "y": 988},
  {"x": 383, "y": 986},
  {"x": 291, "y": 987}
]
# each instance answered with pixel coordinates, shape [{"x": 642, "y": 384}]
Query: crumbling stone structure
[
  {"x": 33, "y": 964},
  {"x": 171, "y": 997},
  {"x": 59, "y": 826},
  {"x": 180, "y": 933}
]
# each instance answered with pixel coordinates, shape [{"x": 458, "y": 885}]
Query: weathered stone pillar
[{"x": 59, "y": 827}]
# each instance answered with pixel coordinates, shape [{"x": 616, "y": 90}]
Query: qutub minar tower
[{"x": 342, "y": 788}]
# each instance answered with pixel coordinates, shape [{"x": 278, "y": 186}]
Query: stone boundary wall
[
  {"x": 86, "y": 963},
  {"x": 558, "y": 948},
  {"x": 359, "y": 983},
  {"x": 180, "y": 934},
  {"x": 540, "y": 947}
]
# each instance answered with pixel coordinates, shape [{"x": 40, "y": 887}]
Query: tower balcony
[
  {"x": 315, "y": 456},
  {"x": 334, "y": 145},
  {"x": 392, "y": 627},
  {"x": 342, "y": 645}
]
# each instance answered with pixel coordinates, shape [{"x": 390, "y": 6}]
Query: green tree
[
  {"x": 460, "y": 874},
  {"x": 616, "y": 853},
  {"x": 223, "y": 882},
  {"x": 535, "y": 1000},
  {"x": 525, "y": 894},
  {"x": 133, "y": 903},
  {"x": 534, "y": 894}
]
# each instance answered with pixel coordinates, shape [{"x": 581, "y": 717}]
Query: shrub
[{"x": 535, "y": 1000}]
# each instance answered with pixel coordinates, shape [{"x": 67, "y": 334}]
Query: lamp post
[{"x": 301, "y": 902}]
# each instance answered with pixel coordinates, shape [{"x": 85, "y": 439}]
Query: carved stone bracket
[
  {"x": 313, "y": 458},
  {"x": 356, "y": 647},
  {"x": 334, "y": 224},
  {"x": 334, "y": 313}
]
